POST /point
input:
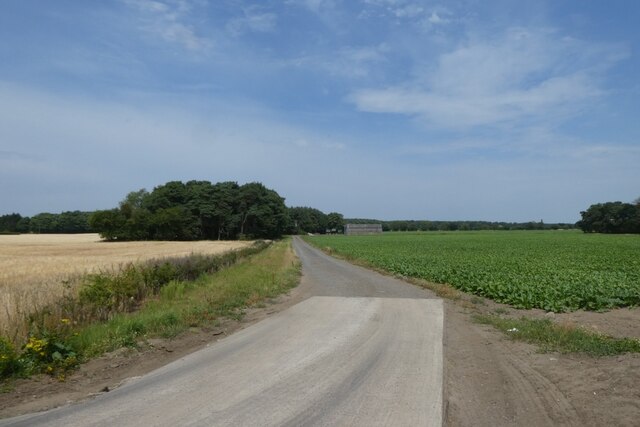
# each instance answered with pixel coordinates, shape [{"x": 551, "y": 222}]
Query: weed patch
[{"x": 551, "y": 337}]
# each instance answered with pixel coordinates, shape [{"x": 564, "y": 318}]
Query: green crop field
[{"x": 552, "y": 270}]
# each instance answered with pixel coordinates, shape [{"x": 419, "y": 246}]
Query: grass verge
[
  {"x": 551, "y": 337},
  {"x": 171, "y": 309},
  {"x": 181, "y": 305}
]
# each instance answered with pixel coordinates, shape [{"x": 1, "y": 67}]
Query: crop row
[{"x": 552, "y": 270}]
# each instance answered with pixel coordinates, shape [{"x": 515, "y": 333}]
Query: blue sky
[{"x": 390, "y": 109}]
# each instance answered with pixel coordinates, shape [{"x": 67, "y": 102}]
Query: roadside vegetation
[
  {"x": 157, "y": 298},
  {"x": 38, "y": 270},
  {"x": 551, "y": 270},
  {"x": 551, "y": 337}
]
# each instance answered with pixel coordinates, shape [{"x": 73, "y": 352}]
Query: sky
[{"x": 492, "y": 110}]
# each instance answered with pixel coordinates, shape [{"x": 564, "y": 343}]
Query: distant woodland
[
  {"x": 196, "y": 210},
  {"x": 200, "y": 210},
  {"x": 426, "y": 225}
]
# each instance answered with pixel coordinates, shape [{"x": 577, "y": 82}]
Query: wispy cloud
[
  {"x": 524, "y": 74},
  {"x": 420, "y": 11},
  {"x": 410, "y": 10},
  {"x": 314, "y": 5},
  {"x": 170, "y": 20},
  {"x": 253, "y": 19},
  {"x": 351, "y": 62},
  {"x": 436, "y": 19}
]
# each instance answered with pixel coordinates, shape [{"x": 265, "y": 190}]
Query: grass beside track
[
  {"x": 550, "y": 337},
  {"x": 181, "y": 305},
  {"x": 177, "y": 306}
]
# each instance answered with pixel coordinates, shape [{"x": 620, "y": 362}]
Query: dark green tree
[
  {"x": 137, "y": 224},
  {"x": 44, "y": 223},
  {"x": 171, "y": 194},
  {"x": 201, "y": 206},
  {"x": 308, "y": 220},
  {"x": 335, "y": 221},
  {"x": 225, "y": 200},
  {"x": 23, "y": 225},
  {"x": 610, "y": 217},
  {"x": 73, "y": 222},
  {"x": 261, "y": 212},
  {"x": 109, "y": 223},
  {"x": 174, "y": 223},
  {"x": 10, "y": 222}
]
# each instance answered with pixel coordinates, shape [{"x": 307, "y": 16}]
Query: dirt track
[{"x": 489, "y": 380}]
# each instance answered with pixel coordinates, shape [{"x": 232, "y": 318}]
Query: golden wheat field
[{"x": 36, "y": 269}]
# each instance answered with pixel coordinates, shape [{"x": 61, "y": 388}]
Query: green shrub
[
  {"x": 47, "y": 352},
  {"x": 8, "y": 359},
  {"x": 103, "y": 295}
]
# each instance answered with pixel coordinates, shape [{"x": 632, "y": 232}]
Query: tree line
[
  {"x": 65, "y": 222},
  {"x": 199, "y": 210},
  {"x": 611, "y": 217},
  {"x": 426, "y": 225}
]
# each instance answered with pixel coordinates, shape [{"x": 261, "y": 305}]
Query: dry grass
[{"x": 39, "y": 269}]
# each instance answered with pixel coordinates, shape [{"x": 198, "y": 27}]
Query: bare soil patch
[{"x": 493, "y": 381}]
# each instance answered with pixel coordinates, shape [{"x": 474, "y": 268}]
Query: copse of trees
[
  {"x": 311, "y": 220},
  {"x": 195, "y": 210},
  {"x": 611, "y": 217}
]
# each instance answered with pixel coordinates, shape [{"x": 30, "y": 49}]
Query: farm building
[{"x": 359, "y": 229}]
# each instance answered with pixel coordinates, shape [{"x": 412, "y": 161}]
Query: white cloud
[
  {"x": 436, "y": 19},
  {"x": 521, "y": 75},
  {"x": 315, "y": 6},
  {"x": 253, "y": 20},
  {"x": 408, "y": 11},
  {"x": 352, "y": 62},
  {"x": 170, "y": 20}
]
